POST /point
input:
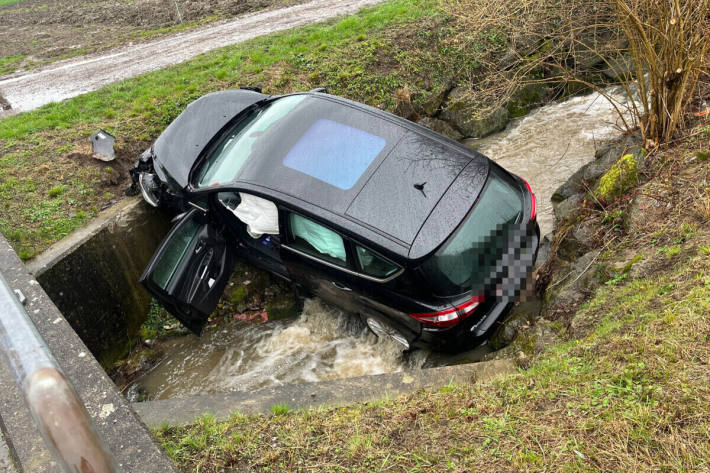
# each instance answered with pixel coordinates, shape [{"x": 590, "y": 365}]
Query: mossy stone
[
  {"x": 238, "y": 295},
  {"x": 285, "y": 306},
  {"x": 622, "y": 175}
]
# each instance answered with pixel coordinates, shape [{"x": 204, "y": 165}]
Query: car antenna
[{"x": 420, "y": 188}]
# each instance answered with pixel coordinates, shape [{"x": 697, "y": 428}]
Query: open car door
[{"x": 190, "y": 269}]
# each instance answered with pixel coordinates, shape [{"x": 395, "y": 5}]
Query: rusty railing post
[{"x": 60, "y": 415}]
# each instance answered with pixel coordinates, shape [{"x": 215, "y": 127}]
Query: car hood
[{"x": 178, "y": 147}]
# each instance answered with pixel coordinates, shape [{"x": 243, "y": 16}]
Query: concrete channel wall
[
  {"x": 135, "y": 449},
  {"x": 92, "y": 276}
]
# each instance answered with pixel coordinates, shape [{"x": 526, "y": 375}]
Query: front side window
[
  {"x": 317, "y": 240},
  {"x": 373, "y": 264},
  {"x": 228, "y": 158}
]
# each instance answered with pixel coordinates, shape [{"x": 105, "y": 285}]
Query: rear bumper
[
  {"x": 475, "y": 330},
  {"x": 467, "y": 334}
]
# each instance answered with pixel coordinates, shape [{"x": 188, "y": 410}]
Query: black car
[{"x": 425, "y": 239}]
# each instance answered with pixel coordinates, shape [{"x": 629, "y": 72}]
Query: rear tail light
[
  {"x": 532, "y": 197},
  {"x": 449, "y": 317}
]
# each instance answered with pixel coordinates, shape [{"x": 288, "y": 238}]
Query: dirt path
[{"x": 69, "y": 78}]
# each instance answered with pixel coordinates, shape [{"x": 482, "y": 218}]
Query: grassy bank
[
  {"x": 632, "y": 394},
  {"x": 50, "y": 185}
]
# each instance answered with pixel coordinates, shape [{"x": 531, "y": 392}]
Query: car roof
[{"x": 383, "y": 188}]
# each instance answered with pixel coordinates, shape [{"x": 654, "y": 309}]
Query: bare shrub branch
[{"x": 656, "y": 50}]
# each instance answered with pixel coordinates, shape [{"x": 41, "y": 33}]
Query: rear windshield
[{"x": 467, "y": 257}]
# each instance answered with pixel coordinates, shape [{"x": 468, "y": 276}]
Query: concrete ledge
[
  {"x": 183, "y": 411},
  {"x": 92, "y": 276},
  {"x": 135, "y": 449}
]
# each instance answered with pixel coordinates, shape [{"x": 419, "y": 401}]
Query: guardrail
[{"x": 60, "y": 415}]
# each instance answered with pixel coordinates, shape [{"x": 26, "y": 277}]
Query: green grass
[
  {"x": 634, "y": 395},
  {"x": 355, "y": 57},
  {"x": 8, "y": 64},
  {"x": 4, "y": 3}
]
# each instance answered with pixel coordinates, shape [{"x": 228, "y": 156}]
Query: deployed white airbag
[
  {"x": 322, "y": 239},
  {"x": 260, "y": 215}
]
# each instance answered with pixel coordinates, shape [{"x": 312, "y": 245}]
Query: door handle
[{"x": 341, "y": 287}]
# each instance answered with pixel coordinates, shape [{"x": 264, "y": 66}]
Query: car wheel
[{"x": 384, "y": 330}]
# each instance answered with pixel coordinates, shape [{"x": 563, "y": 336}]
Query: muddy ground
[{"x": 34, "y": 32}]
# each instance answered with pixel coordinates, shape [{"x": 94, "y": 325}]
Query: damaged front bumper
[{"x": 146, "y": 180}]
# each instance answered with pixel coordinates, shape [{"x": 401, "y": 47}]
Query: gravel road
[{"x": 66, "y": 79}]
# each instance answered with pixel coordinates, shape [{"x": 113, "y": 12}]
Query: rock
[
  {"x": 432, "y": 104},
  {"x": 440, "y": 126},
  {"x": 580, "y": 240},
  {"x": 620, "y": 69},
  {"x": 570, "y": 286},
  {"x": 542, "y": 336},
  {"x": 527, "y": 97},
  {"x": 462, "y": 115},
  {"x": 508, "y": 331},
  {"x": 642, "y": 208},
  {"x": 565, "y": 208},
  {"x": 543, "y": 252},
  {"x": 510, "y": 57},
  {"x": 569, "y": 188},
  {"x": 605, "y": 157},
  {"x": 586, "y": 233},
  {"x": 622, "y": 175},
  {"x": 283, "y": 307},
  {"x": 403, "y": 104}
]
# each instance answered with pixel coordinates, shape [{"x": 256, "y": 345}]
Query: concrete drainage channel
[{"x": 127, "y": 437}]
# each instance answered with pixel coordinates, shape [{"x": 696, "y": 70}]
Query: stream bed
[{"x": 545, "y": 147}]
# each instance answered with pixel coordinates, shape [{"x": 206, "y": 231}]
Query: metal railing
[{"x": 60, "y": 415}]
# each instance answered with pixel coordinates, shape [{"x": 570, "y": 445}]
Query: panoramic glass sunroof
[{"x": 334, "y": 153}]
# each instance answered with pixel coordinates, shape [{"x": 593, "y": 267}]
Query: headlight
[{"x": 150, "y": 188}]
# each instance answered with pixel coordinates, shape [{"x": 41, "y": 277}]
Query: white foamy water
[{"x": 321, "y": 344}]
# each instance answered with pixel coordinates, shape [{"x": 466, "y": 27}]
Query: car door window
[
  {"x": 174, "y": 253},
  {"x": 317, "y": 240},
  {"x": 374, "y": 265}
]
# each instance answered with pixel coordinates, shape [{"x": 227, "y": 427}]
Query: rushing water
[
  {"x": 545, "y": 148},
  {"x": 323, "y": 343},
  {"x": 550, "y": 143}
]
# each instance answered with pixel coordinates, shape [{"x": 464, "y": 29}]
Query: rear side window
[
  {"x": 471, "y": 253},
  {"x": 373, "y": 264},
  {"x": 317, "y": 240}
]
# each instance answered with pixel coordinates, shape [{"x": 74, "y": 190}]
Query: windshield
[
  {"x": 225, "y": 161},
  {"x": 467, "y": 257}
]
